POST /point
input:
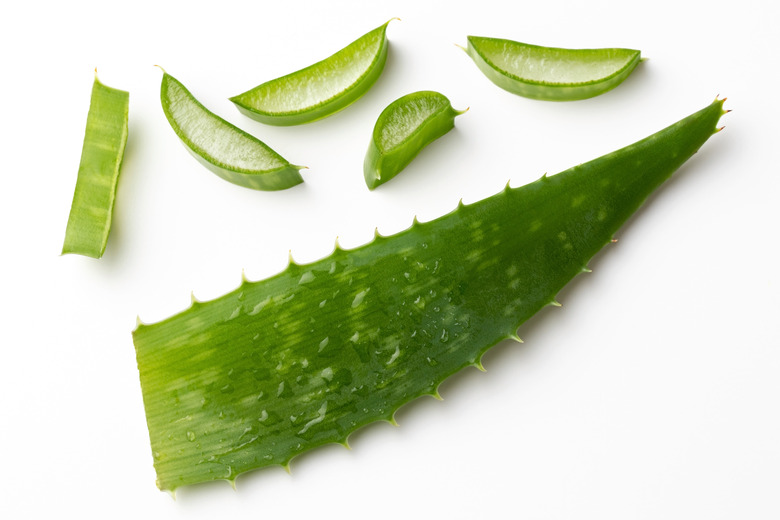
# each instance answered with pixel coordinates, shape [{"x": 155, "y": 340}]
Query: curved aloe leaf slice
[
  {"x": 551, "y": 73},
  {"x": 321, "y": 89},
  {"x": 89, "y": 222},
  {"x": 304, "y": 358},
  {"x": 221, "y": 147},
  {"x": 403, "y": 129}
]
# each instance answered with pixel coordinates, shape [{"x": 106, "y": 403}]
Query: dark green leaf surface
[
  {"x": 92, "y": 209},
  {"x": 304, "y": 358}
]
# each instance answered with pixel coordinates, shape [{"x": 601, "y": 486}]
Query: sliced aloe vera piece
[
  {"x": 306, "y": 357},
  {"x": 92, "y": 209},
  {"x": 321, "y": 89},
  {"x": 221, "y": 147},
  {"x": 403, "y": 129},
  {"x": 551, "y": 73}
]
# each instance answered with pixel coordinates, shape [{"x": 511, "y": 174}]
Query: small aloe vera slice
[
  {"x": 223, "y": 148},
  {"x": 551, "y": 73},
  {"x": 89, "y": 222},
  {"x": 402, "y": 130},
  {"x": 304, "y": 358},
  {"x": 321, "y": 89}
]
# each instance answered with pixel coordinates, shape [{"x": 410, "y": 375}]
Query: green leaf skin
[
  {"x": 304, "y": 358},
  {"x": 402, "y": 130},
  {"x": 551, "y": 73},
  {"x": 221, "y": 147},
  {"x": 92, "y": 209},
  {"x": 321, "y": 89}
]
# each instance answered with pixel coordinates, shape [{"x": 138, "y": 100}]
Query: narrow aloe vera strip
[
  {"x": 403, "y": 129},
  {"x": 321, "y": 89},
  {"x": 551, "y": 73},
  {"x": 223, "y": 148},
  {"x": 92, "y": 208},
  {"x": 306, "y": 357}
]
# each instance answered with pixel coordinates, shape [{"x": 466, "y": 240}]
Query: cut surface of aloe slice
[
  {"x": 304, "y": 358},
  {"x": 321, "y": 89},
  {"x": 551, "y": 73},
  {"x": 223, "y": 148}
]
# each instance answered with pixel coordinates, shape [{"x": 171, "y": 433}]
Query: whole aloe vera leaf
[
  {"x": 304, "y": 358},
  {"x": 92, "y": 209}
]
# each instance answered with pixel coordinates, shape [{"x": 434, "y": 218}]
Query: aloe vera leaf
[
  {"x": 303, "y": 358},
  {"x": 403, "y": 129},
  {"x": 92, "y": 209},
  {"x": 321, "y": 89},
  {"x": 223, "y": 148},
  {"x": 551, "y": 73}
]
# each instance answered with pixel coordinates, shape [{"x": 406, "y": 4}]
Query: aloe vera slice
[
  {"x": 402, "y": 130},
  {"x": 551, "y": 73},
  {"x": 91, "y": 211},
  {"x": 221, "y": 147},
  {"x": 279, "y": 366},
  {"x": 321, "y": 89}
]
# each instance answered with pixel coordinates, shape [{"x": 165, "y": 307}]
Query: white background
[{"x": 652, "y": 393}]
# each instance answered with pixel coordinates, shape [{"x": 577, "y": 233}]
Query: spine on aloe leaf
[{"x": 303, "y": 358}]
